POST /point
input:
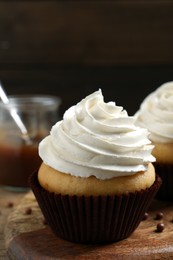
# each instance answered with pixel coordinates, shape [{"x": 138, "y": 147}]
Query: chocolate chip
[
  {"x": 160, "y": 227},
  {"x": 159, "y": 216},
  {"x": 10, "y": 204},
  {"x": 145, "y": 216},
  {"x": 28, "y": 211}
]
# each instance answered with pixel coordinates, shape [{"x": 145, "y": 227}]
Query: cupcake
[
  {"x": 156, "y": 114},
  {"x": 96, "y": 180}
]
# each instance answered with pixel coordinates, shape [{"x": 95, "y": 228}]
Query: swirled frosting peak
[
  {"x": 97, "y": 139},
  {"x": 156, "y": 114}
]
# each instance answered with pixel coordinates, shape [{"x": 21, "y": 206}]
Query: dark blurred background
[{"x": 72, "y": 48}]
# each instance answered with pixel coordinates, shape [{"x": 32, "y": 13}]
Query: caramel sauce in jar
[
  {"x": 17, "y": 161},
  {"x": 18, "y": 157}
]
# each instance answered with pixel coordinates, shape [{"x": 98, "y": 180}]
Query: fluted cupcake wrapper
[
  {"x": 165, "y": 171},
  {"x": 93, "y": 219}
]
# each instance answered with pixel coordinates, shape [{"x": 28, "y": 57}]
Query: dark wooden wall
[{"x": 71, "y": 48}]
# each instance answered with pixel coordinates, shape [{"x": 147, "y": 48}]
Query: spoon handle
[{"x": 15, "y": 116}]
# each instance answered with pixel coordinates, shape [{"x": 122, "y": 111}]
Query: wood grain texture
[
  {"x": 28, "y": 238},
  {"x": 8, "y": 201},
  {"x": 86, "y": 32}
]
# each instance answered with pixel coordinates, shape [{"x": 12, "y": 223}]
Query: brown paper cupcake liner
[
  {"x": 93, "y": 219},
  {"x": 165, "y": 171}
]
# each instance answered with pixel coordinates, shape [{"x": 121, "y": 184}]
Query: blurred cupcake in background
[
  {"x": 156, "y": 114},
  {"x": 97, "y": 179}
]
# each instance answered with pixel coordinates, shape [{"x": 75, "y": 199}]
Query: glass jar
[{"x": 18, "y": 152}]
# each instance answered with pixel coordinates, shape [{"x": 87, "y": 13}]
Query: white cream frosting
[
  {"x": 97, "y": 139},
  {"x": 156, "y": 114}
]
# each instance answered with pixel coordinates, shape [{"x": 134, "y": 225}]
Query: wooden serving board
[{"x": 28, "y": 237}]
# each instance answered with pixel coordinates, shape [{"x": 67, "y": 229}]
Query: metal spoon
[{"x": 16, "y": 117}]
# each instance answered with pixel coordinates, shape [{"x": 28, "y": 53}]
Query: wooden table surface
[{"x": 8, "y": 201}]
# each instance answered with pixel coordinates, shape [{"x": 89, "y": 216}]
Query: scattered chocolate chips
[
  {"x": 159, "y": 216},
  {"x": 28, "y": 211},
  {"x": 145, "y": 216},
  {"x": 160, "y": 227},
  {"x": 10, "y": 204}
]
